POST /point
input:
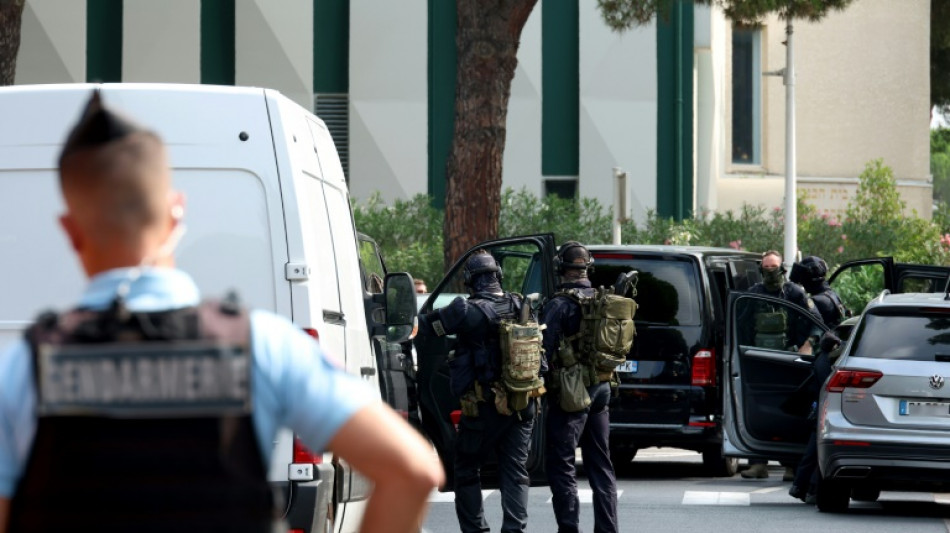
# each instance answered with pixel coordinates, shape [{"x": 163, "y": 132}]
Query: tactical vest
[
  {"x": 519, "y": 350},
  {"x": 143, "y": 424}
]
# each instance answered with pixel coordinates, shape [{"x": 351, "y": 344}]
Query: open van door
[
  {"x": 766, "y": 399},
  {"x": 858, "y": 282},
  {"x": 527, "y": 265}
]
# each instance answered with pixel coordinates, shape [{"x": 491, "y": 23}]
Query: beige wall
[{"x": 861, "y": 93}]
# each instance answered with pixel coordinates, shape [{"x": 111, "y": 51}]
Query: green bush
[{"x": 409, "y": 233}]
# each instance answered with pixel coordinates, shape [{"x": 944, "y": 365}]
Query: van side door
[{"x": 527, "y": 264}]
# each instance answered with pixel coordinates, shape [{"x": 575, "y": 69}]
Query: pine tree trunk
[
  {"x": 489, "y": 32},
  {"x": 11, "y": 11}
]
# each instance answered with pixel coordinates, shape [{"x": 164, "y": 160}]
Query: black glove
[{"x": 829, "y": 341}]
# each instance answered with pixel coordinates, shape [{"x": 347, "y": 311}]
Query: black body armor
[{"x": 143, "y": 424}]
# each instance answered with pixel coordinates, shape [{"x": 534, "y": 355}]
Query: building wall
[
  {"x": 617, "y": 111},
  {"x": 388, "y": 99},
  {"x": 52, "y": 42},
  {"x": 161, "y": 41},
  {"x": 521, "y": 164},
  {"x": 273, "y": 47},
  {"x": 861, "y": 93}
]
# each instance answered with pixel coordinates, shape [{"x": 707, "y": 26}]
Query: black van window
[{"x": 667, "y": 292}]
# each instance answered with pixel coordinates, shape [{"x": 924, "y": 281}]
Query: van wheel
[
  {"x": 833, "y": 496},
  {"x": 718, "y": 465},
  {"x": 622, "y": 457},
  {"x": 865, "y": 494}
]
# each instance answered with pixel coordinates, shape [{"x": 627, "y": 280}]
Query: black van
[{"x": 671, "y": 385}]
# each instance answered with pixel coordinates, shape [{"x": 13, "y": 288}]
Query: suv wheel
[
  {"x": 718, "y": 465},
  {"x": 833, "y": 496}
]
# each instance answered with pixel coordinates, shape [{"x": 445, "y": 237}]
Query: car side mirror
[{"x": 401, "y": 312}]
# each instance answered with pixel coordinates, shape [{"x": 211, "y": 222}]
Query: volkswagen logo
[{"x": 936, "y": 382}]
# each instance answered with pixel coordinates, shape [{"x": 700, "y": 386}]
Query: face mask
[{"x": 773, "y": 279}]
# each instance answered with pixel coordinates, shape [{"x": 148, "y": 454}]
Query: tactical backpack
[
  {"x": 521, "y": 352},
  {"x": 607, "y": 329}
]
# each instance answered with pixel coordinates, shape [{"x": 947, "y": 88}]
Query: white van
[{"x": 268, "y": 214}]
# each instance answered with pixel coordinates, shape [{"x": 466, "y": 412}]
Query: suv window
[
  {"x": 904, "y": 334},
  {"x": 667, "y": 290}
]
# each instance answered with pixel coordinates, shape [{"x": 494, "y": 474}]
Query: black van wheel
[
  {"x": 833, "y": 496},
  {"x": 622, "y": 457},
  {"x": 718, "y": 465}
]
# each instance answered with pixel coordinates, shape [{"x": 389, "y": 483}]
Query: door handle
[
  {"x": 334, "y": 317},
  {"x": 367, "y": 371}
]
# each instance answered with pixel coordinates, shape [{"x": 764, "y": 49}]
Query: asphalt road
[{"x": 664, "y": 490}]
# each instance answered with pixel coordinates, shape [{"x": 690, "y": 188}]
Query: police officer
[
  {"x": 83, "y": 447},
  {"x": 810, "y": 273},
  {"x": 488, "y": 426},
  {"x": 805, "y": 485},
  {"x": 773, "y": 284},
  {"x": 590, "y": 427}
]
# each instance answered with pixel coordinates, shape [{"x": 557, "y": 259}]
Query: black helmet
[
  {"x": 810, "y": 269},
  {"x": 480, "y": 263},
  {"x": 570, "y": 251}
]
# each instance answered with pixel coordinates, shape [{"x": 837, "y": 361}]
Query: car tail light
[
  {"x": 704, "y": 368},
  {"x": 312, "y": 332},
  {"x": 857, "y": 379},
  {"x": 302, "y": 454}
]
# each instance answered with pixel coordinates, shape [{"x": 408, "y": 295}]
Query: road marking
[
  {"x": 449, "y": 497},
  {"x": 587, "y": 496},
  {"x": 693, "y": 497},
  {"x": 943, "y": 498},
  {"x": 767, "y": 490}
]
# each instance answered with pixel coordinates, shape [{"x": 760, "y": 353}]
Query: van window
[
  {"x": 521, "y": 268},
  {"x": 314, "y": 216},
  {"x": 667, "y": 290},
  {"x": 373, "y": 268}
]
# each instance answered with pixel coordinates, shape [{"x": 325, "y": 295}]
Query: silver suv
[{"x": 884, "y": 418}]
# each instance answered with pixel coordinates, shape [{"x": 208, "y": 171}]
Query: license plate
[
  {"x": 922, "y": 408},
  {"x": 628, "y": 366}
]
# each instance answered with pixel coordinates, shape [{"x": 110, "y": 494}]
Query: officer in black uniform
[
  {"x": 488, "y": 426},
  {"x": 589, "y": 428},
  {"x": 773, "y": 284},
  {"x": 810, "y": 273},
  {"x": 807, "y": 475}
]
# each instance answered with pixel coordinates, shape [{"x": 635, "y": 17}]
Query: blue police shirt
[{"x": 295, "y": 385}]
